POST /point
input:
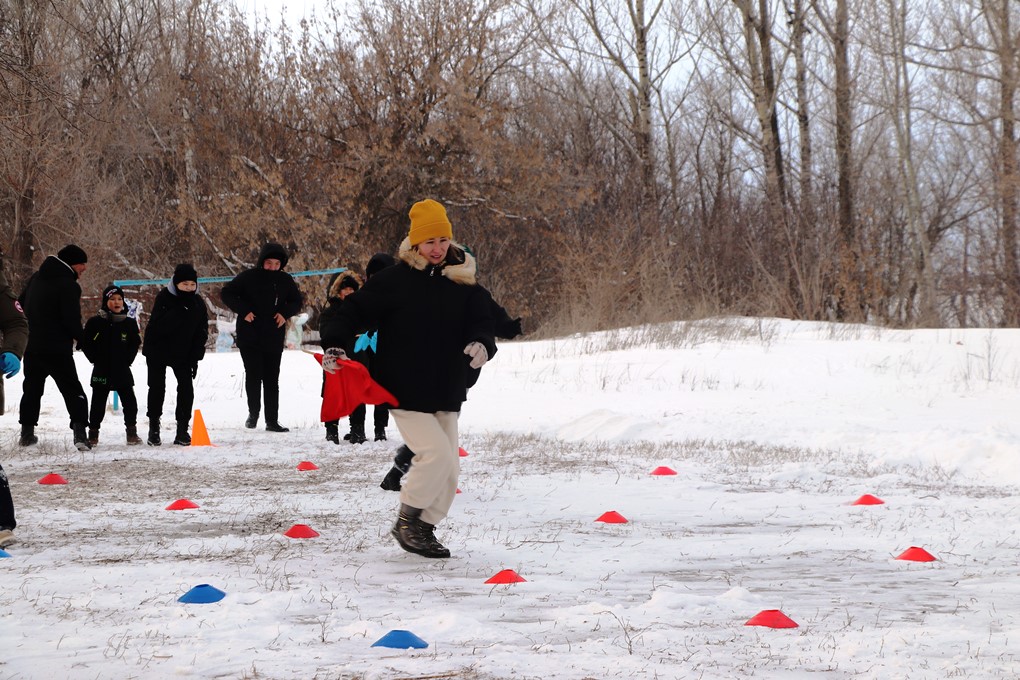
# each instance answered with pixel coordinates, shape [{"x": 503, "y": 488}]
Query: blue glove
[
  {"x": 9, "y": 364},
  {"x": 366, "y": 341}
]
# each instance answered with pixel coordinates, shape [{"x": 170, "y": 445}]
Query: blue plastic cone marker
[
  {"x": 4, "y": 553},
  {"x": 400, "y": 639},
  {"x": 202, "y": 594}
]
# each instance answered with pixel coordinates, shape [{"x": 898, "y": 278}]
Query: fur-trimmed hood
[
  {"x": 460, "y": 266},
  {"x": 273, "y": 251},
  {"x": 341, "y": 280}
]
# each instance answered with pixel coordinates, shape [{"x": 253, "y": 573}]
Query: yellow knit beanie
[{"x": 428, "y": 220}]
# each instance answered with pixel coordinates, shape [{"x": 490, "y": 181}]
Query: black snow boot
[
  {"x": 333, "y": 431},
  {"x": 81, "y": 437},
  {"x": 401, "y": 464},
  {"x": 132, "y": 435},
  {"x": 93, "y": 436},
  {"x": 274, "y": 426},
  {"x": 357, "y": 435},
  {"x": 437, "y": 548},
  {"x": 153, "y": 439},
  {"x": 252, "y": 421},
  {"x": 380, "y": 434},
  {"x": 414, "y": 535},
  {"x": 182, "y": 438},
  {"x": 28, "y": 437}
]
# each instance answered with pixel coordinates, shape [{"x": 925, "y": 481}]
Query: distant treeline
[{"x": 610, "y": 162}]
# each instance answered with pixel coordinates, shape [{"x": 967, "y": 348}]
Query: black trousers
[
  {"x": 6, "y": 503},
  {"x": 380, "y": 416},
  {"x": 157, "y": 391},
  {"x": 60, "y": 367},
  {"x": 100, "y": 393},
  {"x": 262, "y": 379}
]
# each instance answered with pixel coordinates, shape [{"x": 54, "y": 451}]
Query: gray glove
[
  {"x": 331, "y": 358},
  {"x": 478, "y": 354}
]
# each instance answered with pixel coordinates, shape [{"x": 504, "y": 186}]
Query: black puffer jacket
[
  {"x": 426, "y": 315},
  {"x": 177, "y": 329},
  {"x": 111, "y": 343},
  {"x": 265, "y": 294},
  {"x": 52, "y": 303}
]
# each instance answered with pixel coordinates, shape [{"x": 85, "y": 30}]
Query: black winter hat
[
  {"x": 185, "y": 272},
  {"x": 109, "y": 291},
  {"x": 72, "y": 255},
  {"x": 378, "y": 262}
]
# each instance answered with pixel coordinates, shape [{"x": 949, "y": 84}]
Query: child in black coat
[
  {"x": 340, "y": 286},
  {"x": 175, "y": 338},
  {"x": 111, "y": 343}
]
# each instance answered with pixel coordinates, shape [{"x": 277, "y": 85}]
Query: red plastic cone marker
[
  {"x": 301, "y": 531},
  {"x": 305, "y": 465},
  {"x": 199, "y": 435},
  {"x": 506, "y": 576},
  {"x": 915, "y": 554},
  {"x": 663, "y": 470},
  {"x": 52, "y": 478},
  {"x": 868, "y": 499},
  {"x": 182, "y": 504},
  {"x": 612, "y": 517},
  {"x": 458, "y": 490},
  {"x": 462, "y": 452},
  {"x": 771, "y": 618}
]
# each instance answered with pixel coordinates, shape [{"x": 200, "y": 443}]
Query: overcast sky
[{"x": 293, "y": 10}]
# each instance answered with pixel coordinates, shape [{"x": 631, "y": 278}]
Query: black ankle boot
[
  {"x": 391, "y": 482},
  {"x": 437, "y": 549},
  {"x": 182, "y": 438},
  {"x": 333, "y": 431},
  {"x": 252, "y": 421},
  {"x": 132, "y": 435},
  {"x": 357, "y": 435},
  {"x": 401, "y": 464},
  {"x": 28, "y": 437},
  {"x": 273, "y": 426},
  {"x": 81, "y": 437},
  {"x": 415, "y": 536},
  {"x": 380, "y": 434},
  {"x": 153, "y": 438}
]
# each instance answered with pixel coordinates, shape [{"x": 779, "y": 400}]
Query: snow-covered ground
[{"x": 774, "y": 428}]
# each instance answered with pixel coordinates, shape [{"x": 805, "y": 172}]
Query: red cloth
[{"x": 348, "y": 388}]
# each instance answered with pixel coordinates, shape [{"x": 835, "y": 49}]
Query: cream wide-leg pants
[{"x": 431, "y": 483}]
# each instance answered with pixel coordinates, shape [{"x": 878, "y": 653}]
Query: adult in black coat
[
  {"x": 263, "y": 298},
  {"x": 175, "y": 338},
  {"x": 111, "y": 343},
  {"x": 52, "y": 303},
  {"x": 434, "y": 323}
]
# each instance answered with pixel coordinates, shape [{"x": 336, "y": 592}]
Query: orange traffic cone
[{"x": 199, "y": 435}]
